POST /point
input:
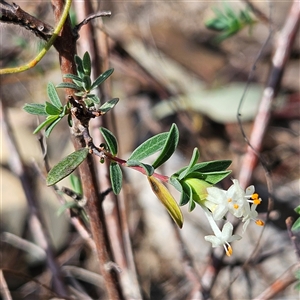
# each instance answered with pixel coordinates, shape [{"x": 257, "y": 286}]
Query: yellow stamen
[
  {"x": 235, "y": 206},
  {"x": 259, "y": 222},
  {"x": 229, "y": 200},
  {"x": 228, "y": 250},
  {"x": 257, "y": 201}
]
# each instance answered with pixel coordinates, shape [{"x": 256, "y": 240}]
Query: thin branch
[
  {"x": 90, "y": 18},
  {"x": 14, "y": 14},
  {"x": 4, "y": 291},
  {"x": 280, "y": 284},
  {"x": 285, "y": 41},
  {"x": 46, "y": 47},
  {"x": 35, "y": 219}
]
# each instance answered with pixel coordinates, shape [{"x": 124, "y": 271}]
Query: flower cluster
[{"x": 217, "y": 203}]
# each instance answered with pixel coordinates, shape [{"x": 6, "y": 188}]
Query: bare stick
[
  {"x": 285, "y": 42},
  {"x": 35, "y": 220},
  {"x": 280, "y": 284}
]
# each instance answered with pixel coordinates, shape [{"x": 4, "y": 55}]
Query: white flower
[
  {"x": 251, "y": 214},
  {"x": 217, "y": 202},
  {"x": 221, "y": 238}
]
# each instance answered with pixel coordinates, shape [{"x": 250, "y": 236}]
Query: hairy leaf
[
  {"x": 35, "y": 109},
  {"x": 115, "y": 177},
  {"x": 47, "y": 122},
  {"x": 51, "y": 109},
  {"x": 148, "y": 168},
  {"x": 86, "y": 63},
  {"x": 193, "y": 161},
  {"x": 107, "y": 106},
  {"x": 66, "y": 166},
  {"x": 53, "y": 96},
  {"x": 51, "y": 126},
  {"x": 149, "y": 147},
  {"x": 110, "y": 140},
  {"x": 169, "y": 147},
  {"x": 101, "y": 78},
  {"x": 68, "y": 85}
]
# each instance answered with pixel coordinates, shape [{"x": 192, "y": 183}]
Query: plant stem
[{"x": 86, "y": 169}]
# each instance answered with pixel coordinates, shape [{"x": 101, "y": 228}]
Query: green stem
[{"x": 47, "y": 46}]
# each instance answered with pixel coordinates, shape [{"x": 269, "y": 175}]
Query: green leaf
[
  {"x": 169, "y": 147},
  {"x": 296, "y": 225},
  {"x": 211, "y": 166},
  {"x": 115, "y": 177},
  {"x": 86, "y": 63},
  {"x": 51, "y": 109},
  {"x": 73, "y": 77},
  {"x": 52, "y": 94},
  {"x": 297, "y": 209},
  {"x": 35, "y": 109},
  {"x": 51, "y": 126},
  {"x": 47, "y": 122},
  {"x": 101, "y": 78},
  {"x": 87, "y": 82},
  {"x": 149, "y": 147},
  {"x": 210, "y": 177},
  {"x": 76, "y": 184},
  {"x": 110, "y": 140},
  {"x": 94, "y": 98},
  {"x": 203, "y": 167},
  {"x": 68, "y": 85},
  {"x": 107, "y": 106},
  {"x": 175, "y": 182},
  {"x": 79, "y": 66},
  {"x": 148, "y": 168},
  {"x": 66, "y": 166},
  {"x": 193, "y": 161}
]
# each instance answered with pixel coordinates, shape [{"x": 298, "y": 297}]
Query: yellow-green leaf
[{"x": 163, "y": 194}]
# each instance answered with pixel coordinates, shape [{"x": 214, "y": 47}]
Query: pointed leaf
[
  {"x": 193, "y": 161},
  {"x": 148, "y": 168},
  {"x": 47, "y": 122},
  {"x": 169, "y": 147},
  {"x": 52, "y": 110},
  {"x": 101, "y": 78},
  {"x": 66, "y": 166},
  {"x": 211, "y": 166},
  {"x": 94, "y": 98},
  {"x": 76, "y": 184},
  {"x": 87, "y": 82},
  {"x": 53, "y": 96},
  {"x": 86, "y": 63},
  {"x": 73, "y": 77},
  {"x": 115, "y": 177},
  {"x": 79, "y": 66},
  {"x": 108, "y": 105},
  {"x": 110, "y": 140},
  {"x": 69, "y": 85},
  {"x": 35, "y": 109},
  {"x": 163, "y": 194},
  {"x": 51, "y": 126},
  {"x": 149, "y": 147}
]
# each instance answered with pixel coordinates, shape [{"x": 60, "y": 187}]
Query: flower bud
[{"x": 198, "y": 187}]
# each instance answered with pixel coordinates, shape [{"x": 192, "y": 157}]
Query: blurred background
[{"x": 168, "y": 69}]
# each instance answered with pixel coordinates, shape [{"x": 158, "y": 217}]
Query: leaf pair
[{"x": 53, "y": 110}]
